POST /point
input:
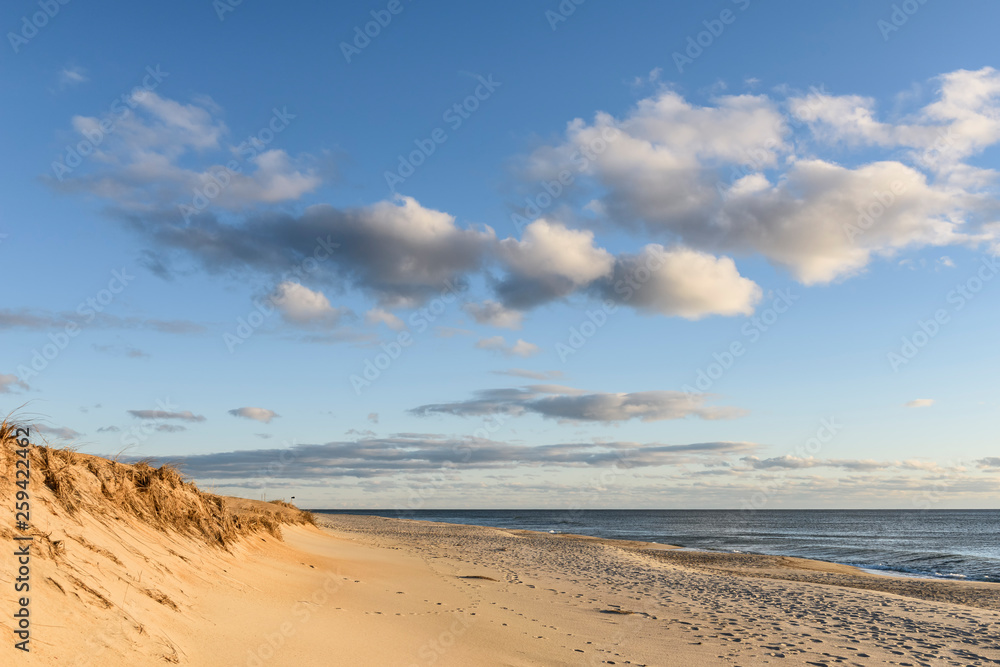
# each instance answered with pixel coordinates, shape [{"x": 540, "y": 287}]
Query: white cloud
[
  {"x": 300, "y": 305},
  {"x": 72, "y": 76},
  {"x": 920, "y": 403},
  {"x": 379, "y": 316},
  {"x": 681, "y": 282},
  {"x": 657, "y": 162},
  {"x": 822, "y": 221},
  {"x": 961, "y": 122},
  {"x": 550, "y": 261},
  {"x": 736, "y": 176},
  {"x": 497, "y": 343},
  {"x": 142, "y": 164},
  {"x": 257, "y": 414},
  {"x": 9, "y": 382},
  {"x": 523, "y": 349}
]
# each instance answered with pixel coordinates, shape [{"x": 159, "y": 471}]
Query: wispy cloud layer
[
  {"x": 558, "y": 402},
  {"x": 41, "y": 320},
  {"x": 58, "y": 432},
  {"x": 385, "y": 456},
  {"x": 520, "y": 348},
  {"x": 186, "y": 415}
]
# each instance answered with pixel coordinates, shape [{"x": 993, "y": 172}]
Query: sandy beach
[
  {"x": 570, "y": 600},
  {"x": 111, "y": 588}
]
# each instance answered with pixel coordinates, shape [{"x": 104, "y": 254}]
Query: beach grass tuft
[{"x": 156, "y": 495}]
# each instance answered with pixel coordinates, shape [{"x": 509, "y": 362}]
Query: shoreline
[
  {"x": 622, "y": 602},
  {"x": 979, "y": 594},
  {"x": 855, "y": 568},
  {"x": 415, "y": 593}
]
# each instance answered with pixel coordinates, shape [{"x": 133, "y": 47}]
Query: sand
[
  {"x": 133, "y": 566},
  {"x": 570, "y": 600},
  {"x": 373, "y": 591}
]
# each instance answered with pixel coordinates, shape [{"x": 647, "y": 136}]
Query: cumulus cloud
[
  {"x": 822, "y": 221},
  {"x": 400, "y": 252},
  {"x": 741, "y": 175},
  {"x": 257, "y": 414},
  {"x": 658, "y": 163},
  {"x": 566, "y": 403},
  {"x": 108, "y": 429},
  {"x": 374, "y": 457},
  {"x": 681, "y": 282},
  {"x": 553, "y": 262},
  {"x": 736, "y": 176},
  {"x": 920, "y": 403},
  {"x": 9, "y": 382},
  {"x": 550, "y": 261},
  {"x": 141, "y": 166},
  {"x": 302, "y": 306},
  {"x": 186, "y": 415},
  {"x": 989, "y": 462},
  {"x": 521, "y": 348},
  {"x": 961, "y": 122}
]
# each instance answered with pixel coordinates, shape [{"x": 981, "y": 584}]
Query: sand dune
[{"x": 132, "y": 566}]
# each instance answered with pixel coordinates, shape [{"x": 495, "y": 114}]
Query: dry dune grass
[
  {"x": 122, "y": 554},
  {"x": 156, "y": 496}
]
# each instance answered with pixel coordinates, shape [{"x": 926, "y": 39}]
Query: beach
[
  {"x": 570, "y": 600},
  {"x": 125, "y": 565},
  {"x": 366, "y": 590}
]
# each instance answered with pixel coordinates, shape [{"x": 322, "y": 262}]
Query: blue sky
[{"x": 270, "y": 202}]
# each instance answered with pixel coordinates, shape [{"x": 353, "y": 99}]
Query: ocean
[{"x": 955, "y": 544}]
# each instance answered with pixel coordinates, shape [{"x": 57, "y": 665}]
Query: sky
[{"x": 412, "y": 255}]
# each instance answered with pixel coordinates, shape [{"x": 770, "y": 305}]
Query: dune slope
[{"x": 117, "y": 556}]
